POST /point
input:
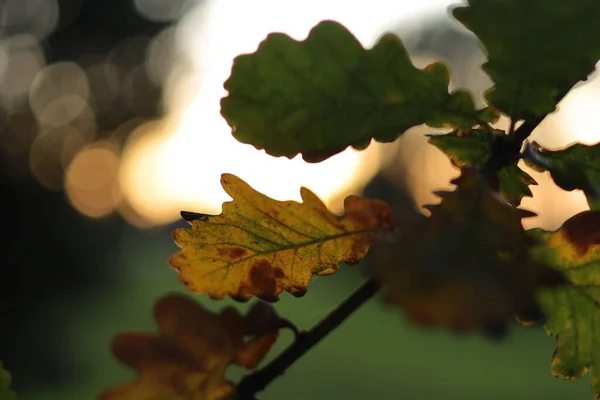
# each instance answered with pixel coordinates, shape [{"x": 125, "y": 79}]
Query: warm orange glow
[
  {"x": 574, "y": 121},
  {"x": 176, "y": 164},
  {"x": 144, "y": 174},
  {"x": 91, "y": 180},
  {"x": 162, "y": 174}
]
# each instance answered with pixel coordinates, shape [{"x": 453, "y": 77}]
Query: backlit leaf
[
  {"x": 325, "y": 93},
  {"x": 467, "y": 266},
  {"x": 536, "y": 49},
  {"x": 188, "y": 358},
  {"x": 514, "y": 183},
  {"x": 573, "y": 311},
  {"x": 473, "y": 148},
  {"x": 260, "y": 246},
  {"x": 576, "y": 167}
]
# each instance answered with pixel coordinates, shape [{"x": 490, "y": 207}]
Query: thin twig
[
  {"x": 507, "y": 148},
  {"x": 258, "y": 380}
]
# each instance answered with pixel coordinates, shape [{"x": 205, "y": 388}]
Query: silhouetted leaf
[
  {"x": 260, "y": 246},
  {"x": 573, "y": 310},
  {"x": 536, "y": 49},
  {"x": 467, "y": 266},
  {"x": 473, "y": 148},
  {"x": 189, "y": 357},
  {"x": 576, "y": 167},
  {"x": 323, "y": 94},
  {"x": 514, "y": 183}
]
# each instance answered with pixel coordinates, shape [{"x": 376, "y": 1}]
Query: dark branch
[
  {"x": 507, "y": 149},
  {"x": 258, "y": 380}
]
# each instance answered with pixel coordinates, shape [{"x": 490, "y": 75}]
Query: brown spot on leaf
[
  {"x": 358, "y": 250},
  {"x": 232, "y": 253},
  {"x": 263, "y": 278},
  {"x": 383, "y": 211},
  {"x": 583, "y": 231}
]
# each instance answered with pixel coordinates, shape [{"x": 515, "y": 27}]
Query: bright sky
[{"x": 177, "y": 165}]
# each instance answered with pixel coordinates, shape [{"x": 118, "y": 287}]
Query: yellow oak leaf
[
  {"x": 188, "y": 359},
  {"x": 260, "y": 246},
  {"x": 573, "y": 310},
  {"x": 465, "y": 267}
]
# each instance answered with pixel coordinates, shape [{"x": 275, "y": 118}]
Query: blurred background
[{"x": 110, "y": 125}]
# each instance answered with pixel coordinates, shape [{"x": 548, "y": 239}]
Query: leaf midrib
[{"x": 295, "y": 246}]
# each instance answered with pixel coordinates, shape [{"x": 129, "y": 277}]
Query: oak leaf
[
  {"x": 466, "y": 266},
  {"x": 535, "y": 49},
  {"x": 574, "y": 167},
  {"x": 260, "y": 246},
  {"x": 188, "y": 359},
  {"x": 573, "y": 310},
  {"x": 322, "y": 94}
]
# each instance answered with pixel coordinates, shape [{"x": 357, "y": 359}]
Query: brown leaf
[
  {"x": 189, "y": 357},
  {"x": 465, "y": 267}
]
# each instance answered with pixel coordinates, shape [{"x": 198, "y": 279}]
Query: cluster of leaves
[{"x": 468, "y": 266}]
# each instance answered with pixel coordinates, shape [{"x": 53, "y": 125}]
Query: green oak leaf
[
  {"x": 514, "y": 183},
  {"x": 536, "y": 49},
  {"x": 325, "y": 93},
  {"x": 573, "y": 310},
  {"x": 576, "y": 167},
  {"x": 472, "y": 148},
  {"x": 5, "y": 380}
]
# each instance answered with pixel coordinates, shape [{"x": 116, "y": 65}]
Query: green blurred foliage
[{"x": 376, "y": 353}]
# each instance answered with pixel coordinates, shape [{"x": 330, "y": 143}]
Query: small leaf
[
  {"x": 260, "y": 246},
  {"x": 5, "y": 381},
  {"x": 473, "y": 148},
  {"x": 535, "y": 48},
  {"x": 576, "y": 167},
  {"x": 467, "y": 266},
  {"x": 514, "y": 183},
  {"x": 323, "y": 94},
  {"x": 189, "y": 357},
  {"x": 573, "y": 310}
]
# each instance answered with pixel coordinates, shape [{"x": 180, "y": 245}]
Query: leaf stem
[
  {"x": 258, "y": 380},
  {"x": 507, "y": 148}
]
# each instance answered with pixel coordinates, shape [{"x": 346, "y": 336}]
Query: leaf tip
[
  {"x": 228, "y": 179},
  {"x": 525, "y": 213},
  {"x": 309, "y": 197},
  {"x": 190, "y": 216}
]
